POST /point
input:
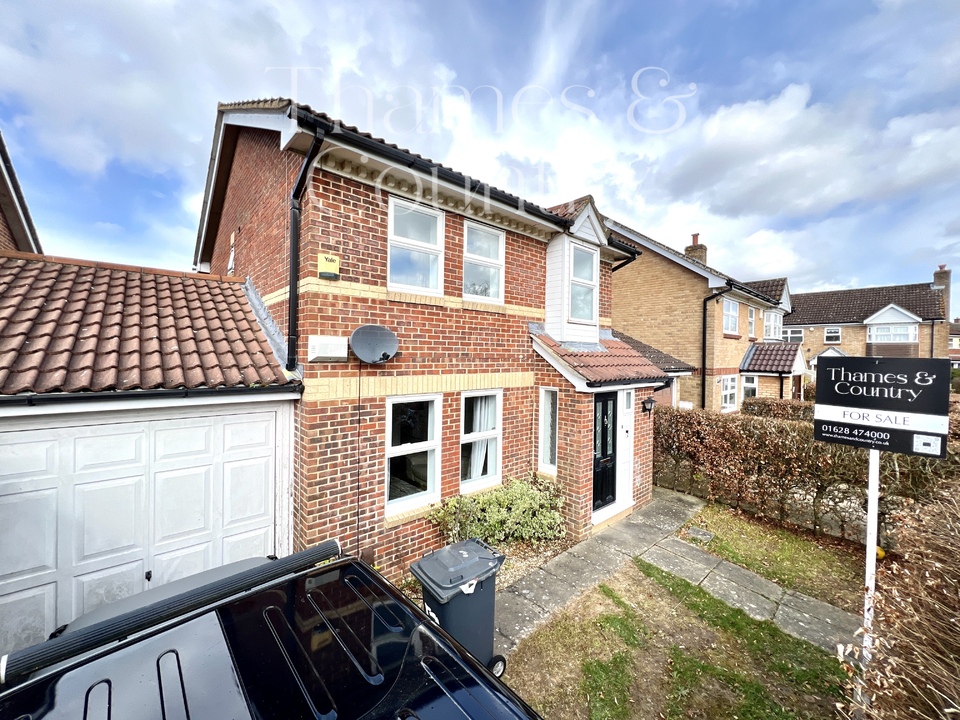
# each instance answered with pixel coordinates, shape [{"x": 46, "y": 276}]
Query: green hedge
[{"x": 775, "y": 468}]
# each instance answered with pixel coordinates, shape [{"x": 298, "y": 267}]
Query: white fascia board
[
  {"x": 212, "y": 170},
  {"x": 578, "y": 381},
  {"x": 907, "y": 316},
  {"x": 713, "y": 280},
  {"x": 21, "y": 218},
  {"x": 23, "y": 412},
  {"x": 678, "y": 374},
  {"x": 588, "y": 227},
  {"x": 785, "y": 301},
  {"x": 813, "y": 326},
  {"x": 799, "y": 364},
  {"x": 380, "y": 165}
]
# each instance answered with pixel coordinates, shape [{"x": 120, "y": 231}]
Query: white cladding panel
[{"x": 90, "y": 513}]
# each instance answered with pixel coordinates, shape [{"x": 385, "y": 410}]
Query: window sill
[
  {"x": 475, "y": 486},
  {"x": 402, "y": 517},
  {"x": 490, "y": 306},
  {"x": 411, "y": 296},
  {"x": 731, "y": 336}
]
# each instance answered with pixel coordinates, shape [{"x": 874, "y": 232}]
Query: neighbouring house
[
  {"x": 16, "y": 227},
  {"x": 494, "y": 314},
  {"x": 953, "y": 349},
  {"x": 711, "y": 322},
  {"x": 673, "y": 367},
  {"x": 907, "y": 321},
  {"x": 145, "y": 435}
]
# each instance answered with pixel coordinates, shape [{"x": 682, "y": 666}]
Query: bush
[
  {"x": 522, "y": 510},
  {"x": 785, "y": 409},
  {"x": 955, "y": 380},
  {"x": 915, "y": 671},
  {"x": 775, "y": 468}
]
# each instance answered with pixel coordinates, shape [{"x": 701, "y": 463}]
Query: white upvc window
[
  {"x": 584, "y": 283},
  {"x": 481, "y": 434},
  {"x": 897, "y": 333},
  {"x": 549, "y": 411},
  {"x": 831, "y": 336},
  {"x": 414, "y": 248},
  {"x": 728, "y": 393},
  {"x": 413, "y": 452},
  {"x": 483, "y": 260},
  {"x": 792, "y": 335},
  {"x": 752, "y": 322},
  {"x": 750, "y": 386},
  {"x": 731, "y": 316},
  {"x": 772, "y": 325}
]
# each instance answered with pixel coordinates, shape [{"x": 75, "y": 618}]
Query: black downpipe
[
  {"x": 293, "y": 301},
  {"x": 22, "y": 662},
  {"x": 703, "y": 347}
]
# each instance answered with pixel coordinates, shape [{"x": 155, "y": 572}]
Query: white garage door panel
[
  {"x": 29, "y": 534},
  {"x": 28, "y": 616},
  {"x": 89, "y": 508},
  {"x": 104, "y": 586},
  {"x": 108, "y": 519}
]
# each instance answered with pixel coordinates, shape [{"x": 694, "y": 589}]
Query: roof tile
[
  {"x": 612, "y": 361},
  {"x": 775, "y": 357},
  {"x": 77, "y": 326},
  {"x": 855, "y": 306}
]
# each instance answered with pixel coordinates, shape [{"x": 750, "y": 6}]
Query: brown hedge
[
  {"x": 775, "y": 468},
  {"x": 786, "y": 409}
]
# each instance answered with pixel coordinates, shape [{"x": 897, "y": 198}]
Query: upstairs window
[
  {"x": 752, "y": 322},
  {"x": 772, "y": 326},
  {"x": 792, "y": 335},
  {"x": 480, "y": 439},
  {"x": 831, "y": 335},
  {"x": 483, "y": 253},
  {"x": 415, "y": 248},
  {"x": 731, "y": 316},
  {"x": 584, "y": 279},
  {"x": 902, "y": 333}
]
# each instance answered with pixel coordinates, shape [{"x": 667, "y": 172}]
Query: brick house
[
  {"x": 706, "y": 319},
  {"x": 890, "y": 321},
  {"x": 16, "y": 226},
  {"x": 504, "y": 362}
]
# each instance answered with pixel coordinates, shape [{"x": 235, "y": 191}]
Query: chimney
[
  {"x": 941, "y": 278},
  {"x": 698, "y": 252}
]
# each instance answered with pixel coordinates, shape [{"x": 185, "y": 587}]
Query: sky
[{"x": 816, "y": 140}]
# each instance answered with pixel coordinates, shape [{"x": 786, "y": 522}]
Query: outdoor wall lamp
[{"x": 647, "y": 404}]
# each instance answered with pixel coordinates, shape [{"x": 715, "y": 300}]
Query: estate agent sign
[{"x": 895, "y": 404}]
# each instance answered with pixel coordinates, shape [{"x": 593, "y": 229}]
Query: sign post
[{"x": 895, "y": 404}]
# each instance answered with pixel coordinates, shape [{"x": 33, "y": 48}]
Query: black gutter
[
  {"x": 293, "y": 296},
  {"x": 382, "y": 149},
  {"x": 32, "y": 400},
  {"x": 70, "y": 645},
  {"x": 750, "y": 291},
  {"x": 634, "y": 254},
  {"x": 607, "y": 383},
  {"x": 703, "y": 340}
]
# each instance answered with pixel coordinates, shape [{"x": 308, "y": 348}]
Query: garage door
[{"x": 93, "y": 513}]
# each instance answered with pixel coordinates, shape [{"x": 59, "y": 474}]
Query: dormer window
[
  {"x": 584, "y": 279},
  {"x": 483, "y": 253},
  {"x": 415, "y": 248}
]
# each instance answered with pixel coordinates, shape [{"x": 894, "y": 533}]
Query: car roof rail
[{"x": 16, "y": 665}]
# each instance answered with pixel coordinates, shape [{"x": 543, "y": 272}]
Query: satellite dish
[{"x": 374, "y": 344}]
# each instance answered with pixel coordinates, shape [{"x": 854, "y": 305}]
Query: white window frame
[
  {"x": 789, "y": 334},
  {"x": 432, "y": 493},
  {"x": 837, "y": 330},
  {"x": 749, "y": 381},
  {"x": 751, "y": 321},
  {"x": 497, "y": 264},
  {"x": 728, "y": 390},
  {"x": 420, "y": 247},
  {"x": 874, "y": 330},
  {"x": 772, "y": 325},
  {"x": 593, "y": 284},
  {"x": 548, "y": 442},
  {"x": 731, "y": 317},
  {"x": 496, "y": 478}
]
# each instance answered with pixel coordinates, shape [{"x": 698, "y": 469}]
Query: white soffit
[{"x": 892, "y": 314}]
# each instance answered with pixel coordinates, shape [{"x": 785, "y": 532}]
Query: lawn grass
[
  {"x": 824, "y": 568},
  {"x": 646, "y": 644}
]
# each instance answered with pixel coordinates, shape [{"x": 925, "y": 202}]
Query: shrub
[
  {"x": 915, "y": 671},
  {"x": 524, "y": 509},
  {"x": 785, "y": 409},
  {"x": 955, "y": 380}
]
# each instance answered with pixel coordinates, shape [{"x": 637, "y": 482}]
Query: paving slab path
[{"x": 649, "y": 533}]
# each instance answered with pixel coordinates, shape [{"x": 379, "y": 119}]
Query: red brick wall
[{"x": 6, "y": 236}]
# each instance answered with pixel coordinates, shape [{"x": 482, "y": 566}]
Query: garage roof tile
[{"x": 75, "y": 326}]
